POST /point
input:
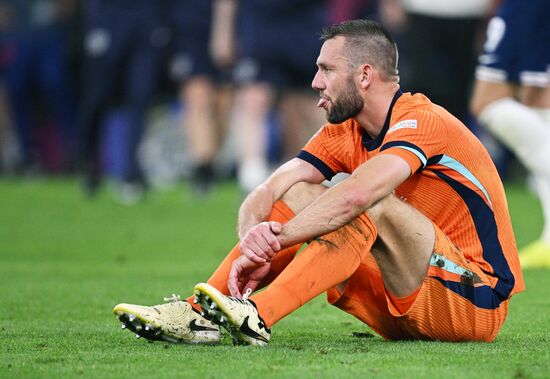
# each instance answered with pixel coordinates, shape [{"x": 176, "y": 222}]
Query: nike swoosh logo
[
  {"x": 198, "y": 328},
  {"x": 251, "y": 333}
]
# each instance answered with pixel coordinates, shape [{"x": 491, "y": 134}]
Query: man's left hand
[{"x": 260, "y": 244}]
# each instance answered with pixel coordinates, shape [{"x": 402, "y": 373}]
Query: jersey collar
[{"x": 373, "y": 143}]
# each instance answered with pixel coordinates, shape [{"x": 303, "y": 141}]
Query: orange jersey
[{"x": 453, "y": 182}]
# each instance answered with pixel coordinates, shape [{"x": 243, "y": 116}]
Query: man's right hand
[{"x": 245, "y": 275}]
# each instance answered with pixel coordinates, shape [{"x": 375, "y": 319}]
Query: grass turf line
[{"x": 65, "y": 262}]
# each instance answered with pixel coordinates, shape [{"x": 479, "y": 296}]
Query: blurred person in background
[
  {"x": 512, "y": 98},
  {"x": 276, "y": 41},
  {"x": 5, "y": 116},
  {"x": 343, "y": 10},
  {"x": 8, "y": 151},
  {"x": 33, "y": 39},
  {"x": 441, "y": 42},
  {"x": 199, "y": 68},
  {"x": 440, "y": 39},
  {"x": 124, "y": 42}
]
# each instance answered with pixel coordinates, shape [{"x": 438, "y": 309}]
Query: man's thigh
[
  {"x": 536, "y": 97},
  {"x": 404, "y": 243},
  {"x": 454, "y": 303},
  {"x": 301, "y": 194}
]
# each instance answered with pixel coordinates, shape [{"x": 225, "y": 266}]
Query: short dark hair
[{"x": 367, "y": 41}]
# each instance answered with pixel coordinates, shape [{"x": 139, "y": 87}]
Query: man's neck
[{"x": 375, "y": 111}]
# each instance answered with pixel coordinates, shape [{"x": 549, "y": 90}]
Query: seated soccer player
[{"x": 416, "y": 243}]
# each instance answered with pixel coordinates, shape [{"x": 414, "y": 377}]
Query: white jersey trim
[
  {"x": 535, "y": 78},
  {"x": 488, "y": 74}
]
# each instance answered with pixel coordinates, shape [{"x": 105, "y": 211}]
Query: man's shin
[{"x": 327, "y": 261}]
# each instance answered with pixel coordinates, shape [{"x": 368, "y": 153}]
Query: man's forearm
[
  {"x": 255, "y": 209},
  {"x": 332, "y": 210},
  {"x": 342, "y": 203}
]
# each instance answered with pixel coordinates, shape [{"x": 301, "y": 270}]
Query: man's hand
[
  {"x": 260, "y": 244},
  {"x": 245, "y": 275}
]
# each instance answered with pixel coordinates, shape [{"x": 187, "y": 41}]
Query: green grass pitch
[{"x": 65, "y": 262}]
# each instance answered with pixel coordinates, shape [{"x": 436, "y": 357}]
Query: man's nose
[{"x": 317, "y": 83}]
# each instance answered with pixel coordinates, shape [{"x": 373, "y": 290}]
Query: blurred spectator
[
  {"x": 192, "y": 66},
  {"x": 5, "y": 116},
  {"x": 33, "y": 44},
  {"x": 512, "y": 98},
  {"x": 124, "y": 42},
  {"x": 9, "y": 154},
  {"x": 343, "y": 10},
  {"x": 440, "y": 40},
  {"x": 277, "y": 41}
]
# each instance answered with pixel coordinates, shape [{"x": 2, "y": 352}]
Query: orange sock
[
  {"x": 403, "y": 304},
  {"x": 325, "y": 263},
  {"x": 281, "y": 213}
]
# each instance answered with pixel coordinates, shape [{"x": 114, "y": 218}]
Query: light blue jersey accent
[
  {"x": 415, "y": 152},
  {"x": 440, "y": 261},
  {"x": 458, "y": 167}
]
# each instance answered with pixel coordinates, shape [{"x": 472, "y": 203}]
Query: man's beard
[{"x": 347, "y": 106}]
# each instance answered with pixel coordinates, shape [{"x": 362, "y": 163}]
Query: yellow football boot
[
  {"x": 175, "y": 321},
  {"x": 535, "y": 255}
]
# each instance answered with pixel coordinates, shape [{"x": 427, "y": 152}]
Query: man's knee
[
  {"x": 301, "y": 194},
  {"x": 486, "y": 93},
  {"x": 535, "y": 97},
  {"x": 400, "y": 222},
  {"x": 383, "y": 207}
]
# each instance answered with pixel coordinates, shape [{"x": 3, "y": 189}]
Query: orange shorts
[{"x": 454, "y": 303}]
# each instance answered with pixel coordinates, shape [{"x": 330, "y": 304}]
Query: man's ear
[{"x": 367, "y": 72}]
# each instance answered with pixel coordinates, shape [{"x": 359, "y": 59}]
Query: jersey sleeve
[
  {"x": 416, "y": 137},
  {"x": 324, "y": 150}
]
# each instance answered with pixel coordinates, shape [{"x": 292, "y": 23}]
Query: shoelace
[
  {"x": 172, "y": 299},
  {"x": 175, "y": 298},
  {"x": 244, "y": 300},
  {"x": 247, "y": 294}
]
